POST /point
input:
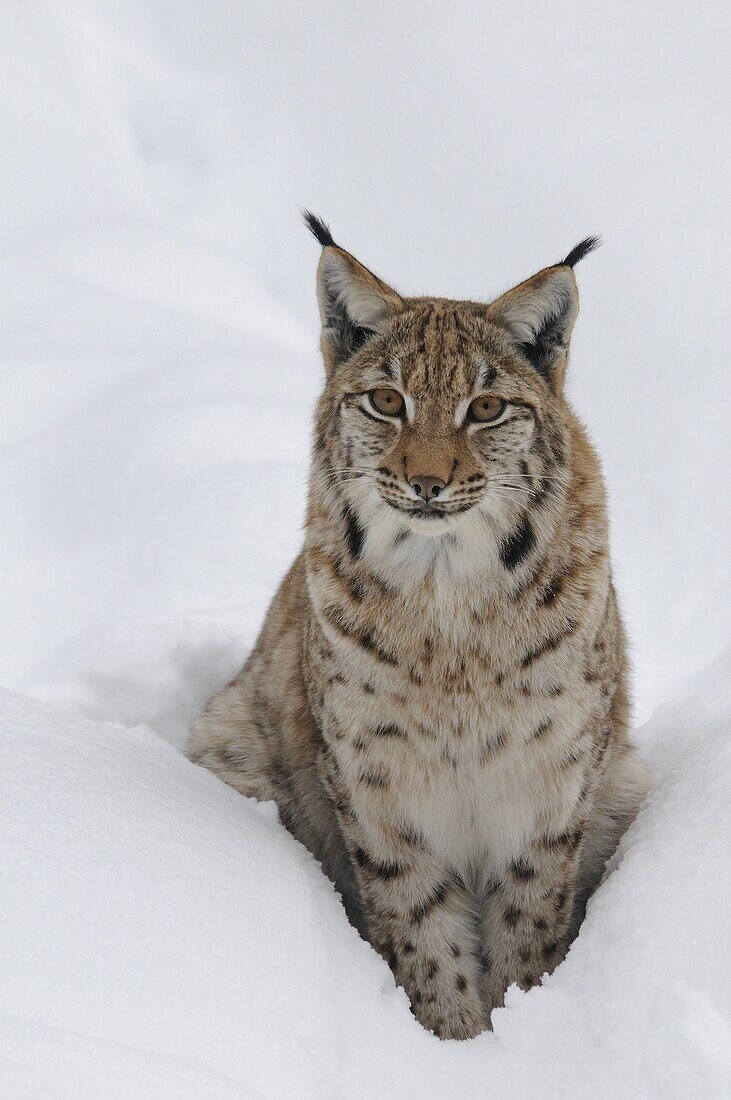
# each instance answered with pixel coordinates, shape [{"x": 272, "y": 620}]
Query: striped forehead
[{"x": 441, "y": 350}]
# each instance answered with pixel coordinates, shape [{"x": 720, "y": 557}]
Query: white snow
[
  {"x": 164, "y": 937},
  {"x": 159, "y": 936}
]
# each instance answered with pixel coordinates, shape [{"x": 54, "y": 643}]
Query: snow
[
  {"x": 159, "y": 936},
  {"x": 165, "y": 937}
]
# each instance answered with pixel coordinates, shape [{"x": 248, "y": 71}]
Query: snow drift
[{"x": 163, "y": 936}]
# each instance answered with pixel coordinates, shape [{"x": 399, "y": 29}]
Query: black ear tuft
[
  {"x": 317, "y": 227},
  {"x": 583, "y": 248}
]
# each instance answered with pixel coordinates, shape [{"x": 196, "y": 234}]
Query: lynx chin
[{"x": 437, "y": 700}]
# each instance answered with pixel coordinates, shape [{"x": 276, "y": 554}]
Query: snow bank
[{"x": 163, "y": 936}]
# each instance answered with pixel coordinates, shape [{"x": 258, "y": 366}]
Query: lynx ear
[
  {"x": 540, "y": 314},
  {"x": 354, "y": 303}
]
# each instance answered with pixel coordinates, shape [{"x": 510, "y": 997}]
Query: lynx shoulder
[{"x": 438, "y": 700}]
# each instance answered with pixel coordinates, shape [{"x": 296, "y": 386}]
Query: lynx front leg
[
  {"x": 423, "y": 921},
  {"x": 418, "y": 913},
  {"x": 228, "y": 741},
  {"x": 528, "y": 915}
]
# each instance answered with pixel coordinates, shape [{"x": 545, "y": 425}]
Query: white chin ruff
[{"x": 405, "y": 548}]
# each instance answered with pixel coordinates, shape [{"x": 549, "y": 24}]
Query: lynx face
[{"x": 441, "y": 416}]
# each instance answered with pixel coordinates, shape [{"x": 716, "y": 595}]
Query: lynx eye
[
  {"x": 486, "y": 408},
  {"x": 386, "y": 401}
]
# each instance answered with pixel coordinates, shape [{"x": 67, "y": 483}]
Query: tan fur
[{"x": 439, "y": 705}]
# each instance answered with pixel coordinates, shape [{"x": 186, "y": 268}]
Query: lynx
[{"x": 438, "y": 699}]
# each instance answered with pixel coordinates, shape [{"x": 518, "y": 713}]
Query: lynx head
[{"x": 440, "y": 414}]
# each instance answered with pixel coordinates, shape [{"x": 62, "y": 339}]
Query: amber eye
[
  {"x": 486, "y": 408},
  {"x": 387, "y": 402}
]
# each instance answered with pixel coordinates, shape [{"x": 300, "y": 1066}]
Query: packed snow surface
[{"x": 159, "y": 935}]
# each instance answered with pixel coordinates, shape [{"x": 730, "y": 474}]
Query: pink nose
[{"x": 426, "y": 487}]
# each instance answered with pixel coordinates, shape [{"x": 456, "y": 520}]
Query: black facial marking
[
  {"x": 353, "y": 532},
  {"x": 369, "y": 416},
  {"x": 518, "y": 545}
]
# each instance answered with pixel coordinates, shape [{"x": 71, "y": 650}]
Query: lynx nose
[{"x": 426, "y": 487}]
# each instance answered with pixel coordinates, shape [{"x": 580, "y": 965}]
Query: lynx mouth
[
  {"x": 428, "y": 513},
  {"x": 425, "y": 512},
  {"x": 428, "y": 520}
]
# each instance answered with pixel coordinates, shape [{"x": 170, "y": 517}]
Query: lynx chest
[{"x": 445, "y": 741}]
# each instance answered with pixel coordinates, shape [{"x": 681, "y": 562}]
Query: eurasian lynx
[{"x": 437, "y": 700}]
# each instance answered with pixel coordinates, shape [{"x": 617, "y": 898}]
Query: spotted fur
[{"x": 437, "y": 700}]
